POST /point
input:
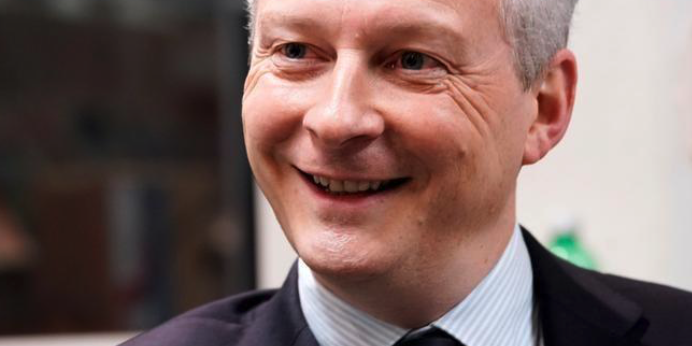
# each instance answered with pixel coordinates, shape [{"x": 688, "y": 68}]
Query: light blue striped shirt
[{"x": 498, "y": 312}]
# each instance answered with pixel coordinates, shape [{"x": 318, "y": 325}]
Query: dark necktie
[{"x": 433, "y": 337}]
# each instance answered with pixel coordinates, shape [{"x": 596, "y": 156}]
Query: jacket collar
[
  {"x": 576, "y": 308},
  {"x": 281, "y": 320}
]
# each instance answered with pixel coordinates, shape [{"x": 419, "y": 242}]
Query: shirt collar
[{"x": 497, "y": 312}]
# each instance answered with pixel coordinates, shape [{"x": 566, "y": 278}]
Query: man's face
[{"x": 384, "y": 133}]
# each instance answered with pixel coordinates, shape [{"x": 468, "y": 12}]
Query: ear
[{"x": 555, "y": 93}]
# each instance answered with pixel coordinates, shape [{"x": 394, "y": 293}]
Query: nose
[{"x": 343, "y": 115}]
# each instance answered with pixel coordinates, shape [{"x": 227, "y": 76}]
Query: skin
[{"x": 459, "y": 127}]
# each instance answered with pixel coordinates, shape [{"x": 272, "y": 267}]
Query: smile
[{"x": 352, "y": 187}]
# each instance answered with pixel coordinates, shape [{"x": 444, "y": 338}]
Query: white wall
[
  {"x": 274, "y": 254},
  {"x": 625, "y": 168}
]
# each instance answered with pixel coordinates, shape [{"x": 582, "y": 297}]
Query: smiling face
[{"x": 386, "y": 134}]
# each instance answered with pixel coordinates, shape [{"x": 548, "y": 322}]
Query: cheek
[
  {"x": 433, "y": 131},
  {"x": 456, "y": 151},
  {"x": 516, "y": 127},
  {"x": 272, "y": 113}
]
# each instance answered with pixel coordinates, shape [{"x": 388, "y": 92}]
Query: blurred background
[{"x": 125, "y": 196}]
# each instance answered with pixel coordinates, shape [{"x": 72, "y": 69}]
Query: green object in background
[{"x": 566, "y": 244}]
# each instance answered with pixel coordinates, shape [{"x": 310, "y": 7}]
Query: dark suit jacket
[{"x": 577, "y": 308}]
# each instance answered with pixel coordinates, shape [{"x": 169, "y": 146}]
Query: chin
[{"x": 342, "y": 256}]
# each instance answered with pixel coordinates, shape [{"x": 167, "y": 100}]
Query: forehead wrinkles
[
  {"x": 494, "y": 5},
  {"x": 357, "y": 18},
  {"x": 477, "y": 12},
  {"x": 379, "y": 15}
]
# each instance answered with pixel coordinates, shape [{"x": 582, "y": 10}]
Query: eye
[
  {"x": 415, "y": 61},
  {"x": 297, "y": 59},
  {"x": 294, "y": 50},
  {"x": 412, "y": 60}
]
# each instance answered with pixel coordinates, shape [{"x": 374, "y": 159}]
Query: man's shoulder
[
  {"x": 665, "y": 310},
  {"x": 653, "y": 295},
  {"x": 218, "y": 323},
  {"x": 598, "y": 309},
  {"x": 668, "y": 310},
  {"x": 648, "y": 294}
]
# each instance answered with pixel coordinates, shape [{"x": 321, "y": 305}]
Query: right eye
[
  {"x": 294, "y": 51},
  {"x": 296, "y": 57}
]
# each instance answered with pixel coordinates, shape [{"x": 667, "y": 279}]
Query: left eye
[
  {"x": 415, "y": 61},
  {"x": 412, "y": 61}
]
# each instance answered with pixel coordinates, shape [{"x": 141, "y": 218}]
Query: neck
[{"x": 416, "y": 294}]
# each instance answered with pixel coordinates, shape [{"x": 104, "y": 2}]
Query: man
[{"x": 388, "y": 136}]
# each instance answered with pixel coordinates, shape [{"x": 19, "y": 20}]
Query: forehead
[{"x": 471, "y": 17}]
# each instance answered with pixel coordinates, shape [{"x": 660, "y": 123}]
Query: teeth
[
  {"x": 347, "y": 186},
  {"x": 336, "y": 186},
  {"x": 350, "y": 186}
]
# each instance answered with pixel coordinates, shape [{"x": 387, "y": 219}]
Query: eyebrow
[
  {"x": 278, "y": 20},
  {"x": 421, "y": 28}
]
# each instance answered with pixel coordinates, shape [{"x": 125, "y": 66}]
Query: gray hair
[
  {"x": 536, "y": 29},
  {"x": 251, "y": 9}
]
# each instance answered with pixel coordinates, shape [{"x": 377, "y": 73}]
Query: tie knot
[{"x": 432, "y": 337}]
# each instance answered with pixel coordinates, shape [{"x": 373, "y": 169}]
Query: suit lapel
[
  {"x": 577, "y": 309},
  {"x": 281, "y": 321}
]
